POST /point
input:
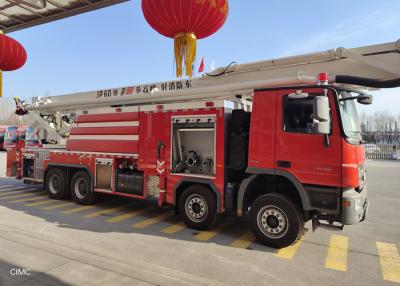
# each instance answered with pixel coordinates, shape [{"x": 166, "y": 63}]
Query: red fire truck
[
  {"x": 15, "y": 140},
  {"x": 261, "y": 140},
  {"x": 3, "y": 130}
]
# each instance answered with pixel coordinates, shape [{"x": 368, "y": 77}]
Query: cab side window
[{"x": 298, "y": 115}]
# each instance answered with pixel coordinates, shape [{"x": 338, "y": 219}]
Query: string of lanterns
[{"x": 186, "y": 21}]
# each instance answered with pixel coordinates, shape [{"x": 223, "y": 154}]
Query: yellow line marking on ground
[
  {"x": 337, "y": 253},
  {"x": 19, "y": 196},
  {"x": 11, "y": 188},
  {"x": 104, "y": 211},
  {"x": 43, "y": 202},
  {"x": 125, "y": 216},
  {"x": 13, "y": 192},
  {"x": 208, "y": 234},
  {"x": 17, "y": 192},
  {"x": 390, "y": 261},
  {"x": 174, "y": 228},
  {"x": 33, "y": 198},
  {"x": 244, "y": 241},
  {"x": 5, "y": 186},
  {"x": 19, "y": 189},
  {"x": 152, "y": 220},
  {"x": 288, "y": 252},
  {"x": 80, "y": 209},
  {"x": 58, "y": 206}
]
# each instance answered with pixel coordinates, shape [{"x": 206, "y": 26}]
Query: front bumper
[{"x": 354, "y": 205}]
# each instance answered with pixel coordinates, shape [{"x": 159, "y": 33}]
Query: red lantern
[
  {"x": 12, "y": 55},
  {"x": 185, "y": 21}
]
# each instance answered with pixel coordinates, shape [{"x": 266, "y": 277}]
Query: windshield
[
  {"x": 21, "y": 135},
  {"x": 31, "y": 136},
  {"x": 349, "y": 116},
  {"x": 11, "y": 135}
]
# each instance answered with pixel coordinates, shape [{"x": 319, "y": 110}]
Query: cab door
[{"x": 299, "y": 149}]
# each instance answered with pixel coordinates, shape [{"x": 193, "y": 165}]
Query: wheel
[
  {"x": 198, "y": 207},
  {"x": 56, "y": 184},
  {"x": 275, "y": 220},
  {"x": 82, "y": 189}
]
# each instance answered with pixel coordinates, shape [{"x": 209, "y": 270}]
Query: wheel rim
[
  {"x": 54, "y": 184},
  {"x": 196, "y": 208},
  {"x": 272, "y": 221},
  {"x": 81, "y": 188}
]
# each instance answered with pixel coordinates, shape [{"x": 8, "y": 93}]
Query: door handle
[{"x": 284, "y": 164}]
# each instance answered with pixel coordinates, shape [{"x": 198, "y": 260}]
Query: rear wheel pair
[
  {"x": 275, "y": 219},
  {"x": 81, "y": 188}
]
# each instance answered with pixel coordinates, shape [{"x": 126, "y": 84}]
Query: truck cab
[
  {"x": 14, "y": 142},
  {"x": 2, "y": 135},
  {"x": 15, "y": 137},
  {"x": 32, "y": 138},
  {"x": 306, "y": 147}
]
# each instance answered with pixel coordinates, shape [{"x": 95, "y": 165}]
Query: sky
[{"x": 115, "y": 46}]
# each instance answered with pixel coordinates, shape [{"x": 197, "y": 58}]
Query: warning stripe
[
  {"x": 108, "y": 117},
  {"x": 127, "y": 130},
  {"x": 104, "y": 132},
  {"x": 109, "y": 124},
  {"x": 123, "y": 146},
  {"x": 105, "y": 137}
]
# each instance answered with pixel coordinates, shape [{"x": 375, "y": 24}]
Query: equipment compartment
[
  {"x": 193, "y": 145},
  {"x": 104, "y": 174}
]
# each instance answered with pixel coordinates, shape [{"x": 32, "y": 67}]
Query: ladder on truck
[{"x": 380, "y": 62}]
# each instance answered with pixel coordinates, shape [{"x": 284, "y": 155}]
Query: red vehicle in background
[
  {"x": 31, "y": 138},
  {"x": 16, "y": 139},
  {"x": 2, "y": 135}
]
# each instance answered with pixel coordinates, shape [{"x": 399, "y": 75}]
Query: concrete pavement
[{"x": 123, "y": 242}]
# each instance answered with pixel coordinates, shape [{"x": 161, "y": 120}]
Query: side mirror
[
  {"x": 322, "y": 118},
  {"x": 365, "y": 99}
]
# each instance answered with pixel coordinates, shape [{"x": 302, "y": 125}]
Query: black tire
[
  {"x": 198, "y": 207},
  {"x": 276, "y": 221},
  {"x": 82, "y": 191},
  {"x": 56, "y": 184}
]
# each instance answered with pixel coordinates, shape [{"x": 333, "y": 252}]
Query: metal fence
[{"x": 382, "y": 151}]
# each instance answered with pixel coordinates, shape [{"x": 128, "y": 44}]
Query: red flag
[{"x": 201, "y": 67}]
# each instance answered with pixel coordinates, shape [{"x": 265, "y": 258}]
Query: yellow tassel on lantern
[{"x": 185, "y": 53}]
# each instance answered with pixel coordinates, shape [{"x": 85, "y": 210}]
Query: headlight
[
  {"x": 361, "y": 176},
  {"x": 358, "y": 205}
]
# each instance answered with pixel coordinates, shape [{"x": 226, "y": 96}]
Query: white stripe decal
[
  {"x": 102, "y": 110},
  {"x": 108, "y": 124},
  {"x": 104, "y": 137},
  {"x": 350, "y": 165},
  {"x": 182, "y": 106},
  {"x": 99, "y": 154}
]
